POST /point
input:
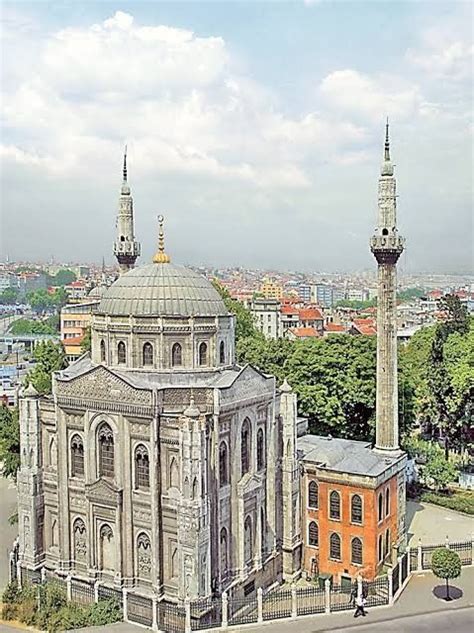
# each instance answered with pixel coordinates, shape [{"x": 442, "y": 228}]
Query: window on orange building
[
  {"x": 313, "y": 534},
  {"x": 356, "y": 551},
  {"x": 334, "y": 505},
  {"x": 356, "y": 509},
  {"x": 387, "y": 502},
  {"x": 380, "y": 548},
  {"x": 335, "y": 546},
  {"x": 387, "y": 542},
  {"x": 380, "y": 506},
  {"x": 313, "y": 494}
]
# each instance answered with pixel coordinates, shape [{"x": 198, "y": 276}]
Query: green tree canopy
[
  {"x": 244, "y": 321},
  {"x": 10, "y": 296},
  {"x": 438, "y": 471},
  {"x": 446, "y": 564},
  {"x": 49, "y": 357},
  {"x": 30, "y": 326},
  {"x": 9, "y": 441},
  {"x": 62, "y": 278}
]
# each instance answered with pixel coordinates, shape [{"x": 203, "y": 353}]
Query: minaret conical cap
[
  {"x": 160, "y": 256},
  {"x": 387, "y": 166}
]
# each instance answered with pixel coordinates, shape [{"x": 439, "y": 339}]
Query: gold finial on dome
[{"x": 160, "y": 256}]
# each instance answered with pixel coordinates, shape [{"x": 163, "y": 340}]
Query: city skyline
[{"x": 269, "y": 167}]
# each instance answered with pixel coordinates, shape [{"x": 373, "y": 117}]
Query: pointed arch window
[
  {"x": 248, "y": 540},
  {"x": 387, "y": 543},
  {"x": 380, "y": 548},
  {"x": 121, "y": 353},
  {"x": 224, "y": 551},
  {"x": 313, "y": 497},
  {"x": 222, "y": 353},
  {"x": 223, "y": 464},
  {"x": 313, "y": 534},
  {"x": 335, "y": 546},
  {"x": 245, "y": 446},
  {"x": 356, "y": 509},
  {"x": 356, "y": 551},
  {"x": 105, "y": 438},
  {"x": 203, "y": 354},
  {"x": 80, "y": 541},
  {"x": 387, "y": 502},
  {"x": 260, "y": 450},
  {"x": 77, "y": 456},
  {"x": 142, "y": 467},
  {"x": 380, "y": 502},
  {"x": 102, "y": 351},
  {"x": 147, "y": 355},
  {"x": 335, "y": 506},
  {"x": 143, "y": 555},
  {"x": 174, "y": 474},
  {"x": 107, "y": 548},
  {"x": 176, "y": 355}
]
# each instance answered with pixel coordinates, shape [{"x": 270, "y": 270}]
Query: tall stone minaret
[
  {"x": 387, "y": 246},
  {"x": 126, "y": 247}
]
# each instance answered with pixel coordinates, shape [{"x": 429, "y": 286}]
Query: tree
[
  {"x": 9, "y": 296},
  {"x": 439, "y": 471},
  {"x": 49, "y": 358},
  {"x": 244, "y": 321},
  {"x": 355, "y": 304},
  {"x": 63, "y": 277},
  {"x": 446, "y": 564},
  {"x": 9, "y": 441},
  {"x": 86, "y": 344},
  {"x": 30, "y": 326}
]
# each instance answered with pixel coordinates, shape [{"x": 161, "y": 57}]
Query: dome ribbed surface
[{"x": 162, "y": 290}]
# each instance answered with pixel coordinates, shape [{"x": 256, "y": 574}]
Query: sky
[{"x": 255, "y": 128}]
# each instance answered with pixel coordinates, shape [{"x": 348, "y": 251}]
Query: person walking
[{"x": 360, "y": 602}]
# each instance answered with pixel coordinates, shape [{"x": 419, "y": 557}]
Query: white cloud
[
  {"x": 444, "y": 54},
  {"x": 356, "y": 93}
]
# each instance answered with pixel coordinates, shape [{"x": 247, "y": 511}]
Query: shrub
[
  {"x": 10, "y": 593},
  {"x": 459, "y": 501},
  {"x": 446, "y": 564},
  {"x": 105, "y": 612}
]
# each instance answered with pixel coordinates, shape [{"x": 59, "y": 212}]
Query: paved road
[
  {"x": 7, "y": 532},
  {"x": 433, "y": 523}
]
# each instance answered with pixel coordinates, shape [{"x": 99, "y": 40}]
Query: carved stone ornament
[
  {"x": 104, "y": 493},
  {"x": 102, "y": 384}
]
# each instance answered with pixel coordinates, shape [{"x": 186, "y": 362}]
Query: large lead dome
[{"x": 162, "y": 289}]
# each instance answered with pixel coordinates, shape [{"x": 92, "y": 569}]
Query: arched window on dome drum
[
  {"x": 105, "y": 438},
  {"x": 248, "y": 540},
  {"x": 356, "y": 551},
  {"x": 203, "y": 354},
  {"x": 313, "y": 534},
  {"x": 260, "y": 450},
  {"x": 102, "y": 351},
  {"x": 77, "y": 456},
  {"x": 121, "y": 353},
  {"x": 224, "y": 552},
  {"x": 147, "y": 354},
  {"x": 334, "y": 505},
  {"x": 142, "y": 467},
  {"x": 356, "y": 509},
  {"x": 335, "y": 546},
  {"x": 176, "y": 355},
  {"x": 222, "y": 353},
  {"x": 313, "y": 495},
  {"x": 245, "y": 446},
  {"x": 223, "y": 464}
]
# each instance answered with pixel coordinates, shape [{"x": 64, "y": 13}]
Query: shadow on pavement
[
  {"x": 454, "y": 592},
  {"x": 412, "y": 508}
]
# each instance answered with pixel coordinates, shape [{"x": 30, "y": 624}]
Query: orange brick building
[{"x": 353, "y": 507}]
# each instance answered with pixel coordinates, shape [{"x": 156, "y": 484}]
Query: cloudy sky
[{"x": 256, "y": 128}]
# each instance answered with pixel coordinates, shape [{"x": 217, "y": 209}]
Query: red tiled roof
[
  {"x": 304, "y": 332},
  {"x": 334, "y": 327},
  {"x": 310, "y": 314},
  {"x": 288, "y": 310},
  {"x": 74, "y": 340}
]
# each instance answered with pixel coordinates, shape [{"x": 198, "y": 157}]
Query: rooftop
[{"x": 345, "y": 456}]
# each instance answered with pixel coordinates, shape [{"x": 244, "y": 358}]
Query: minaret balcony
[
  {"x": 387, "y": 248},
  {"x": 127, "y": 248}
]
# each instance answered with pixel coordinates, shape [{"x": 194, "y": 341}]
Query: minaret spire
[
  {"x": 387, "y": 246},
  {"x": 160, "y": 256},
  {"x": 126, "y": 247}
]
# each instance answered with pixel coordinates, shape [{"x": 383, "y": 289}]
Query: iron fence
[
  {"x": 82, "y": 592},
  {"x": 310, "y": 600},
  {"x": 376, "y": 592},
  {"x": 464, "y": 549},
  {"x": 395, "y": 578},
  {"x": 242, "y": 611},
  {"x": 341, "y": 597},
  {"x": 404, "y": 567},
  {"x": 140, "y": 609},
  {"x": 170, "y": 617},
  {"x": 277, "y": 604},
  {"x": 426, "y": 554},
  {"x": 109, "y": 593},
  {"x": 206, "y": 613}
]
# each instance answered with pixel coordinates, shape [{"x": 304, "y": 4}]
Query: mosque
[{"x": 160, "y": 465}]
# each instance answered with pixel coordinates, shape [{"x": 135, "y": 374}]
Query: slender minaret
[
  {"x": 126, "y": 247},
  {"x": 387, "y": 246}
]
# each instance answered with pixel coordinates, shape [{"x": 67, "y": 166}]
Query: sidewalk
[{"x": 416, "y": 599}]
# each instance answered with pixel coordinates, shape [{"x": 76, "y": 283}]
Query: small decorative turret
[{"x": 126, "y": 248}]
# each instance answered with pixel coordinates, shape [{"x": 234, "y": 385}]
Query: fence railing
[{"x": 224, "y": 611}]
